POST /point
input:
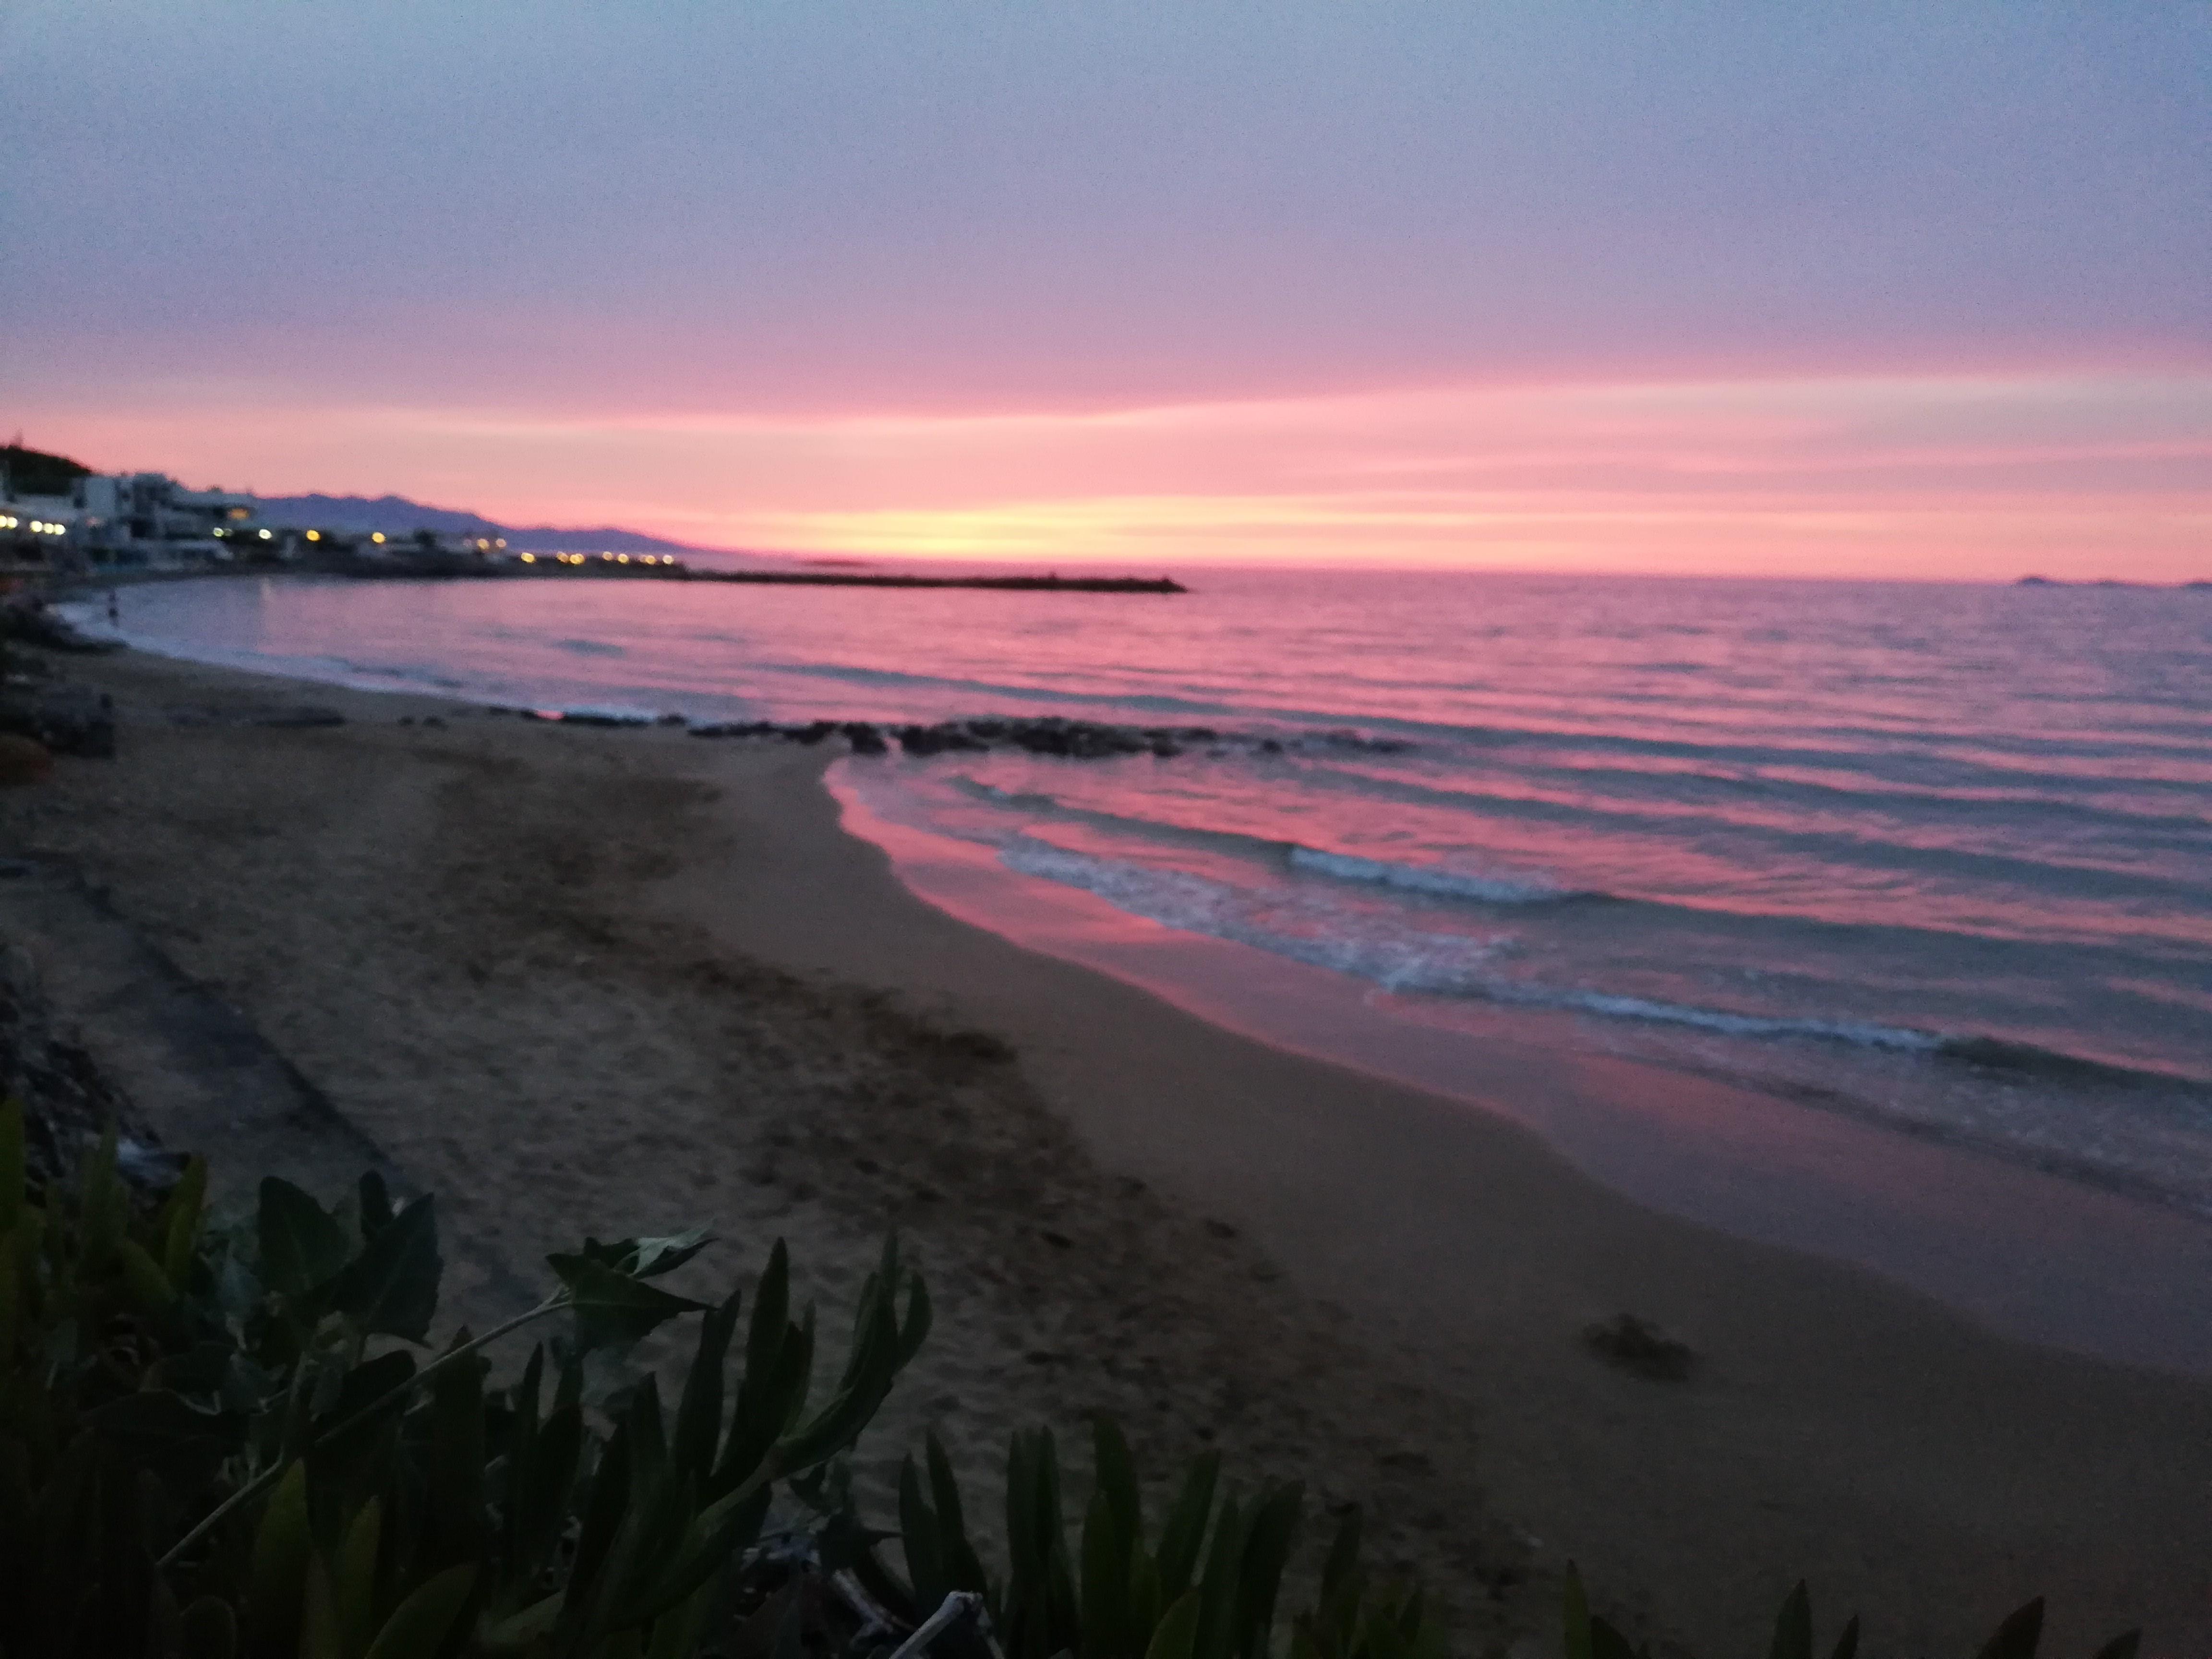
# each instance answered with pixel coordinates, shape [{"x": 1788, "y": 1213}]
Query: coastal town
[
  {"x": 58, "y": 515},
  {"x": 61, "y": 519}
]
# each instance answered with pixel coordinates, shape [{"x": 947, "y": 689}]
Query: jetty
[{"x": 410, "y": 564}]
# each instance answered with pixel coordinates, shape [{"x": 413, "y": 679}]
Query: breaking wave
[{"x": 1425, "y": 879}]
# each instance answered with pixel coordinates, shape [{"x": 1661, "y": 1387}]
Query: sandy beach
[{"x": 578, "y": 980}]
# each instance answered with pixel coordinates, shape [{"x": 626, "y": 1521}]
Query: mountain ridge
[{"x": 398, "y": 516}]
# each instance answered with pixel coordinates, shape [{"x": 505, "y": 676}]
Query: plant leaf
[
  {"x": 104, "y": 1205},
  {"x": 354, "y": 1577},
  {"x": 456, "y": 1496},
  {"x": 655, "y": 1257},
  {"x": 699, "y": 1414},
  {"x": 1184, "y": 1530},
  {"x": 380, "y": 1382},
  {"x": 1104, "y": 1586},
  {"x": 1793, "y": 1626},
  {"x": 1576, "y": 1615},
  {"x": 1273, "y": 1529},
  {"x": 518, "y": 1632},
  {"x": 12, "y": 1177},
  {"x": 419, "y": 1626},
  {"x": 302, "y": 1244},
  {"x": 375, "y": 1204},
  {"x": 280, "y": 1568},
  {"x": 647, "y": 1258},
  {"x": 148, "y": 1283},
  {"x": 181, "y": 1218},
  {"x": 1115, "y": 1474},
  {"x": 1178, "y": 1630},
  {"x": 920, "y": 1538},
  {"x": 1607, "y": 1643},
  {"x": 614, "y": 1311},
  {"x": 2019, "y": 1636},
  {"x": 544, "y": 1501},
  {"x": 391, "y": 1288}
]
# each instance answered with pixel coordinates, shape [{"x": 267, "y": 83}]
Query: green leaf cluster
[
  {"x": 2018, "y": 1637},
  {"x": 235, "y": 1440},
  {"x": 1201, "y": 1584}
]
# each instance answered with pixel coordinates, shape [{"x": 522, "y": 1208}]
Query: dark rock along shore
[{"x": 1051, "y": 735}]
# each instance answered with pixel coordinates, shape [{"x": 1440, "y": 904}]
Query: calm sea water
[{"x": 1938, "y": 857}]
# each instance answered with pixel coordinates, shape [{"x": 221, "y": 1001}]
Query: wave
[
  {"x": 1426, "y": 879},
  {"x": 1197, "y": 904},
  {"x": 1831, "y": 848},
  {"x": 1491, "y": 888},
  {"x": 2029, "y": 1061},
  {"x": 1153, "y": 703},
  {"x": 1454, "y": 965}
]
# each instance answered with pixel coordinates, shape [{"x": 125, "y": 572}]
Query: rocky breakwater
[{"x": 1067, "y": 739}]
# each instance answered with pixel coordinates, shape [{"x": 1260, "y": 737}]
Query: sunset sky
[{"x": 1877, "y": 289}]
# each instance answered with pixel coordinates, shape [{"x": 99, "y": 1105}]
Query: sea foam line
[
  {"x": 1426, "y": 879},
  {"x": 1434, "y": 964}
]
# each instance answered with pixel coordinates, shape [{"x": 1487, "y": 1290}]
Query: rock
[
  {"x": 864, "y": 738},
  {"x": 23, "y": 760},
  {"x": 33, "y": 623},
  {"x": 303, "y": 715},
  {"x": 937, "y": 739},
  {"x": 1343, "y": 738}
]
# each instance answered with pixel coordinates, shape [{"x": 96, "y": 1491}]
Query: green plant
[
  {"x": 234, "y": 1439},
  {"x": 1203, "y": 1586},
  {"x": 219, "y": 1440},
  {"x": 2018, "y": 1637}
]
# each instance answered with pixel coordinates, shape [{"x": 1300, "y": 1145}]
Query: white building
[{"x": 149, "y": 518}]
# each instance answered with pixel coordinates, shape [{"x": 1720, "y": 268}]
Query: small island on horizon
[{"x": 2109, "y": 581}]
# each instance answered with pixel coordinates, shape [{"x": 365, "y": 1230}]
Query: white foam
[
  {"x": 1865, "y": 1033},
  {"x": 1426, "y": 878},
  {"x": 1437, "y": 963},
  {"x": 1434, "y": 965}
]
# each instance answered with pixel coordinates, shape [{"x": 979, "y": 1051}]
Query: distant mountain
[{"x": 396, "y": 515}]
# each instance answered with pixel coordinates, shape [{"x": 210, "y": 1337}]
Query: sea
[{"x": 1934, "y": 860}]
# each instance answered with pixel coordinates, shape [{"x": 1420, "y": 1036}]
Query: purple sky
[{"x": 1929, "y": 280}]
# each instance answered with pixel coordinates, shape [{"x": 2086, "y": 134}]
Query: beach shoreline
[
  {"x": 2124, "y": 1275},
  {"x": 578, "y": 977}
]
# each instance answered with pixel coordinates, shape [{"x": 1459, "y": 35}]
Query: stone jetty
[{"x": 1067, "y": 739}]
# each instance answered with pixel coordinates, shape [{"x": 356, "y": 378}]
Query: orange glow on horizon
[{"x": 1967, "y": 475}]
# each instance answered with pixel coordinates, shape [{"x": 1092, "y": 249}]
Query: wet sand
[{"x": 580, "y": 979}]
